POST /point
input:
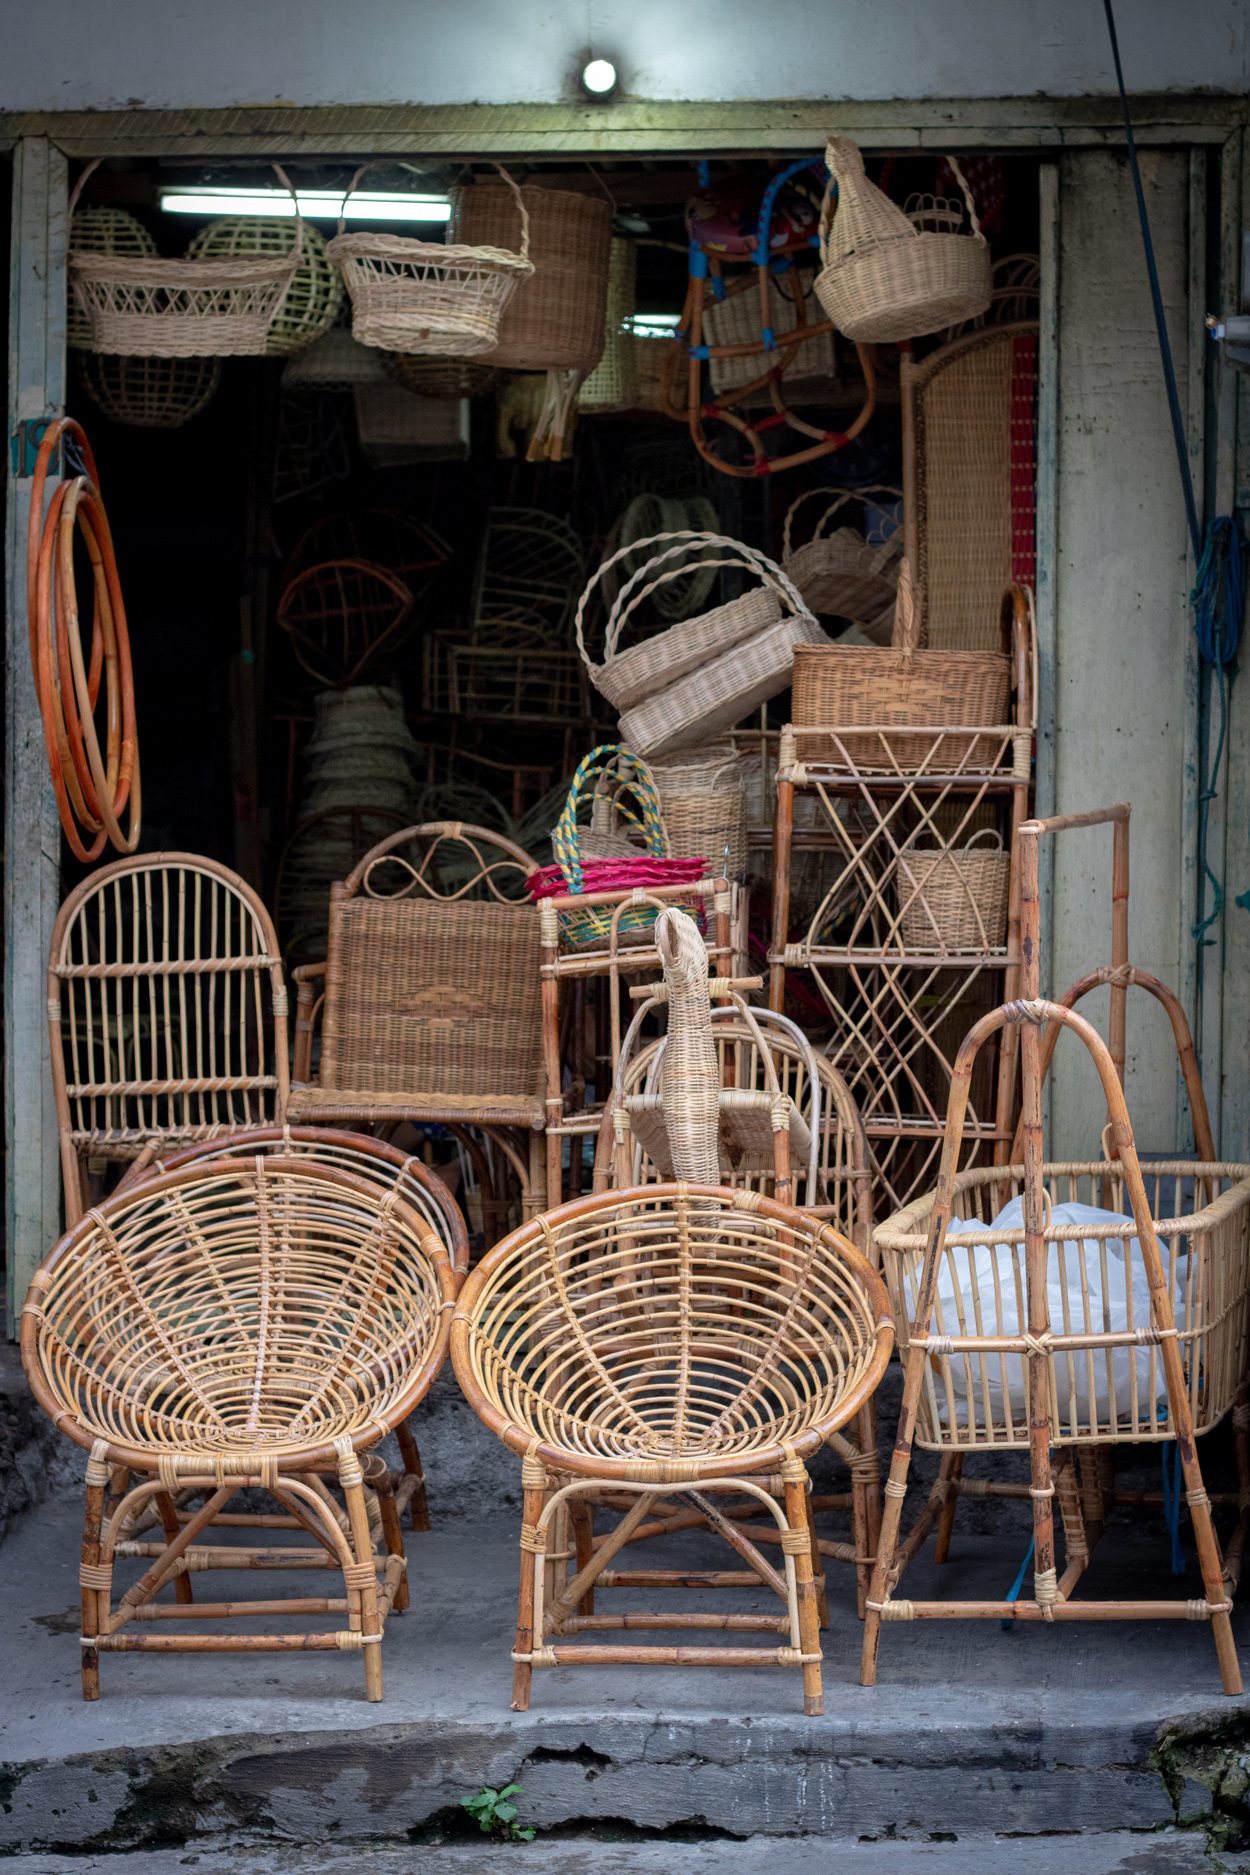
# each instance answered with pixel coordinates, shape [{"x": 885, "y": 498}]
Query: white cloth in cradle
[{"x": 992, "y": 1275}]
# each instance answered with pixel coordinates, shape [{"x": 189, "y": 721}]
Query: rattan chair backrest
[
  {"x": 970, "y": 480},
  {"x": 167, "y": 1009},
  {"x": 428, "y": 986}
]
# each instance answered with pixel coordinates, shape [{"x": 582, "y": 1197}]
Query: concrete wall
[{"x": 64, "y": 55}]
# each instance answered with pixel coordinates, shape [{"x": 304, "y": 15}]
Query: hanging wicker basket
[
  {"x": 954, "y": 900},
  {"x": 613, "y": 384},
  {"x": 441, "y": 377},
  {"x": 149, "y": 393},
  {"x": 312, "y": 300},
  {"x": 425, "y": 297},
  {"x": 883, "y": 278},
  {"x": 555, "y": 321},
  {"x": 334, "y": 362},
  {"x": 98, "y": 230},
  {"x": 859, "y": 685},
  {"x": 703, "y": 800},
  {"x": 838, "y": 573}
]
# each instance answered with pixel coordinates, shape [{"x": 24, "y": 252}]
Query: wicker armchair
[
  {"x": 157, "y": 981},
  {"x": 430, "y": 1002},
  {"x": 672, "y": 1341},
  {"x": 237, "y": 1324}
]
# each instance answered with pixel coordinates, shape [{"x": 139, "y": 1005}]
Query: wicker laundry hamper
[
  {"x": 314, "y": 295},
  {"x": 859, "y": 685},
  {"x": 882, "y": 277},
  {"x": 613, "y": 384},
  {"x": 149, "y": 393},
  {"x": 838, "y": 573},
  {"x": 703, "y": 801},
  {"x": 429, "y": 297},
  {"x": 555, "y": 319},
  {"x": 441, "y": 377},
  {"x": 98, "y": 230},
  {"x": 954, "y": 900}
]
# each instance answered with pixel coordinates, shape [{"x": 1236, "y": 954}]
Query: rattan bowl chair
[
  {"x": 167, "y": 1011},
  {"x": 383, "y": 1165},
  {"x": 430, "y": 1002},
  {"x": 239, "y": 1323},
  {"x": 676, "y": 1340}
]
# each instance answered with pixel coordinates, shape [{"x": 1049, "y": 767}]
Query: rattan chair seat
[
  {"x": 237, "y": 1313},
  {"x": 308, "y": 1103},
  {"x": 670, "y": 1332}
]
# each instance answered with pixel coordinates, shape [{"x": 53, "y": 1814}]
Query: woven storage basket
[
  {"x": 441, "y": 377},
  {"x": 882, "y": 278},
  {"x": 149, "y": 393},
  {"x": 735, "y": 320},
  {"x": 628, "y": 678},
  {"x": 613, "y": 384},
  {"x": 839, "y": 573},
  {"x": 334, "y": 362},
  {"x": 427, "y": 297},
  {"x": 101, "y": 231},
  {"x": 396, "y": 426},
  {"x": 958, "y": 900},
  {"x": 703, "y": 800},
  {"x": 555, "y": 320},
  {"x": 860, "y": 685},
  {"x": 651, "y": 359},
  {"x": 314, "y": 295}
]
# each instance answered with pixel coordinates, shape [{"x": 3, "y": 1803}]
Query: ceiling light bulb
[{"x": 599, "y": 77}]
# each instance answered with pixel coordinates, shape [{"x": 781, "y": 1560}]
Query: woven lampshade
[
  {"x": 149, "y": 393},
  {"x": 101, "y": 231},
  {"x": 313, "y": 297},
  {"x": 555, "y": 319}
]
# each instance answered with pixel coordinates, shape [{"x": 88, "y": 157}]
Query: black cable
[{"x": 1165, "y": 349}]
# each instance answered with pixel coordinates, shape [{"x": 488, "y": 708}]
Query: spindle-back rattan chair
[
  {"x": 238, "y": 1323},
  {"x": 672, "y": 1341},
  {"x": 160, "y": 1033},
  {"x": 431, "y": 1001},
  {"x": 384, "y": 1166}
]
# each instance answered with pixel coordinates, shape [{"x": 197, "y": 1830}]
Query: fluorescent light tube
[
  {"x": 314, "y": 204},
  {"x": 659, "y": 325}
]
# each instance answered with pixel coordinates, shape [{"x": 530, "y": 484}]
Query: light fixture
[
  {"x": 314, "y": 204},
  {"x": 660, "y": 325},
  {"x": 599, "y": 77}
]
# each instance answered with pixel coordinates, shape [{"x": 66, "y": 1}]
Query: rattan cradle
[
  {"x": 158, "y": 1015},
  {"x": 430, "y": 1001},
  {"x": 238, "y": 1324},
  {"x": 677, "y": 1340}
]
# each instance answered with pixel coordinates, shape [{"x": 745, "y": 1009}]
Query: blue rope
[
  {"x": 1013, "y": 1593},
  {"x": 1172, "y": 1504},
  {"x": 1217, "y": 601}
]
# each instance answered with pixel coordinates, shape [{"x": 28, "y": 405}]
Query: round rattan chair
[
  {"x": 686, "y": 1340},
  {"x": 383, "y": 1165},
  {"x": 239, "y": 1323}
]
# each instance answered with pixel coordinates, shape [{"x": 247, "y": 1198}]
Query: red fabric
[
  {"x": 1023, "y": 447},
  {"x": 617, "y": 875}
]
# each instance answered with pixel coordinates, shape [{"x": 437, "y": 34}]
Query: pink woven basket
[{"x": 616, "y": 875}]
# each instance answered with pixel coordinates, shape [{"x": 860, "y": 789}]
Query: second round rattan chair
[
  {"x": 674, "y": 1340},
  {"x": 239, "y": 1323}
]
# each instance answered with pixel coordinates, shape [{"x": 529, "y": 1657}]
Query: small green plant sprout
[{"x": 494, "y": 1813}]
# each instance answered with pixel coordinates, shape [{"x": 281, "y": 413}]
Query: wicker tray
[{"x": 954, "y": 900}]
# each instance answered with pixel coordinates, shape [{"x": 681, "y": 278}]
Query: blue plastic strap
[
  {"x": 705, "y": 172},
  {"x": 700, "y": 351},
  {"x": 780, "y": 263},
  {"x": 698, "y": 262},
  {"x": 718, "y": 287},
  {"x": 770, "y": 339},
  {"x": 1013, "y": 1593},
  {"x": 1172, "y": 1504},
  {"x": 770, "y": 197}
]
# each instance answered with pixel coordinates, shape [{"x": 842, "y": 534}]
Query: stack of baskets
[{"x": 690, "y": 683}]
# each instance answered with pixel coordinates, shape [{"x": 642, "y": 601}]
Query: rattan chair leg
[
  {"x": 582, "y": 1518},
  {"x": 92, "y": 1534},
  {"x": 418, "y": 1503},
  {"x": 809, "y": 1618},
  {"x": 363, "y": 1594},
  {"x": 534, "y": 1479},
  {"x": 168, "y": 1513},
  {"x": 946, "y": 1522},
  {"x": 394, "y": 1538},
  {"x": 818, "y": 1564}
]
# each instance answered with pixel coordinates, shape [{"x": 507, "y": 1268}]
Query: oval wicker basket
[
  {"x": 314, "y": 295},
  {"x": 628, "y": 678},
  {"x": 555, "y": 320},
  {"x": 703, "y": 800},
  {"x": 442, "y": 377},
  {"x": 882, "y": 278},
  {"x": 839, "y": 574},
  {"x": 428, "y": 298},
  {"x": 859, "y": 685},
  {"x": 954, "y": 900},
  {"x": 149, "y": 393},
  {"x": 98, "y": 230}
]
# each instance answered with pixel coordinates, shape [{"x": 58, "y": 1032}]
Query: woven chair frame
[{"x": 157, "y": 1011}]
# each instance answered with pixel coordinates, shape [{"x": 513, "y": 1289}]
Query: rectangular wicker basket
[
  {"x": 716, "y": 696},
  {"x": 632, "y": 676}
]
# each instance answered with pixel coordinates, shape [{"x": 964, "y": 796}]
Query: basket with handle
[
  {"x": 557, "y": 320},
  {"x": 954, "y": 900},
  {"x": 838, "y": 573},
  {"x": 589, "y": 859},
  {"x": 219, "y": 308},
  {"x": 312, "y": 301},
  {"x": 859, "y": 685},
  {"x": 884, "y": 278},
  {"x": 422, "y": 297},
  {"x": 703, "y": 800}
]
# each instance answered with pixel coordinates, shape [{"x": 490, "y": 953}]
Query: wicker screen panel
[
  {"x": 433, "y": 997},
  {"x": 964, "y": 430}
]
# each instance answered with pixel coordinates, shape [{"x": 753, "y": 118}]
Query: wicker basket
[
  {"x": 651, "y": 361},
  {"x": 613, "y": 384},
  {"x": 721, "y": 693},
  {"x": 629, "y": 678},
  {"x": 314, "y": 295},
  {"x": 334, "y": 362},
  {"x": 703, "y": 800},
  {"x": 149, "y": 393},
  {"x": 838, "y": 573},
  {"x": 102, "y": 231},
  {"x": 954, "y": 901},
  {"x": 441, "y": 377},
  {"x": 882, "y": 278},
  {"x": 858, "y": 685},
  {"x": 396, "y": 426},
  {"x": 427, "y": 298},
  {"x": 555, "y": 321}
]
